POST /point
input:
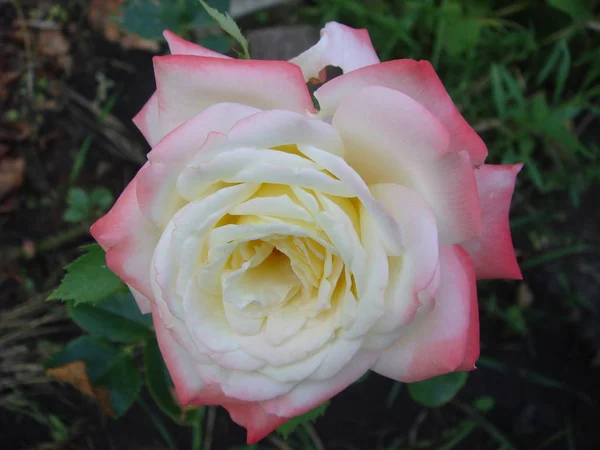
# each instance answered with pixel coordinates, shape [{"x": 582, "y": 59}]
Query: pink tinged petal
[
  {"x": 412, "y": 272},
  {"x": 444, "y": 340},
  {"x": 157, "y": 180},
  {"x": 143, "y": 302},
  {"x": 148, "y": 122},
  {"x": 179, "y": 361},
  {"x": 179, "y": 46},
  {"x": 129, "y": 240},
  {"x": 403, "y": 143},
  {"x": 341, "y": 46},
  {"x": 255, "y": 419},
  {"x": 311, "y": 393},
  {"x": 262, "y": 418},
  {"x": 418, "y": 80},
  {"x": 493, "y": 253},
  {"x": 186, "y": 85},
  {"x": 193, "y": 136}
]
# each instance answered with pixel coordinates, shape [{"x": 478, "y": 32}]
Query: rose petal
[
  {"x": 418, "y": 80},
  {"x": 340, "y": 46},
  {"x": 142, "y": 301},
  {"x": 445, "y": 339},
  {"x": 157, "y": 180},
  {"x": 186, "y": 85},
  {"x": 179, "y": 361},
  {"x": 493, "y": 253},
  {"x": 148, "y": 121},
  {"x": 255, "y": 419},
  {"x": 129, "y": 240},
  {"x": 412, "y": 272},
  {"x": 403, "y": 143}
]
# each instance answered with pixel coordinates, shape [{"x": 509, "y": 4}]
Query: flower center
[{"x": 261, "y": 281}]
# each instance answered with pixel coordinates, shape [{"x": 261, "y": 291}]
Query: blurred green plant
[
  {"x": 148, "y": 19},
  {"x": 525, "y": 76},
  {"x": 84, "y": 207}
]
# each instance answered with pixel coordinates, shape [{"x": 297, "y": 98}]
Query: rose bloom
[{"x": 284, "y": 249}]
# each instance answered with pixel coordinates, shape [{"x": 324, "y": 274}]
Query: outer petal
[
  {"x": 179, "y": 361},
  {"x": 418, "y": 80},
  {"x": 340, "y": 46},
  {"x": 148, "y": 122},
  {"x": 255, "y": 419},
  {"x": 157, "y": 196},
  {"x": 403, "y": 143},
  {"x": 446, "y": 339},
  {"x": 186, "y": 85},
  {"x": 179, "y": 46},
  {"x": 147, "y": 119},
  {"x": 129, "y": 240},
  {"x": 493, "y": 253},
  {"x": 143, "y": 302},
  {"x": 301, "y": 399}
]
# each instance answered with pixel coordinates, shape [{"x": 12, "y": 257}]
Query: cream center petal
[{"x": 270, "y": 283}]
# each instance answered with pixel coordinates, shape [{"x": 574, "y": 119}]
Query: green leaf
[
  {"x": 88, "y": 280},
  {"x": 96, "y": 353},
  {"x": 161, "y": 387},
  {"x": 498, "y": 93},
  {"x": 147, "y": 19},
  {"x": 116, "y": 318},
  {"x": 308, "y": 417},
  {"x": 579, "y": 10},
  {"x": 79, "y": 205},
  {"x": 563, "y": 70},
  {"x": 159, "y": 382},
  {"x": 484, "y": 404},
  {"x": 101, "y": 198},
  {"x": 438, "y": 391},
  {"x": 106, "y": 366},
  {"x": 460, "y": 32},
  {"x": 123, "y": 382},
  {"x": 216, "y": 43},
  {"x": 229, "y": 26}
]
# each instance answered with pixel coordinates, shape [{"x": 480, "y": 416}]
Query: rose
[{"x": 283, "y": 250}]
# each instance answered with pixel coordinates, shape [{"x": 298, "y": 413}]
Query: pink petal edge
[{"x": 493, "y": 253}]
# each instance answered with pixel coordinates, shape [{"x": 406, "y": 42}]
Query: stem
[
  {"x": 197, "y": 435},
  {"x": 210, "y": 424}
]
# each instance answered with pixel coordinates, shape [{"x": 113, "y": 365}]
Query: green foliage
[
  {"x": 148, "y": 18},
  {"x": 577, "y": 9},
  {"x": 116, "y": 318},
  {"x": 518, "y": 73},
  {"x": 437, "y": 391},
  {"x": 88, "y": 279},
  {"x": 83, "y": 206},
  {"x": 309, "y": 417},
  {"x": 229, "y": 26},
  {"x": 161, "y": 387},
  {"x": 107, "y": 366}
]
